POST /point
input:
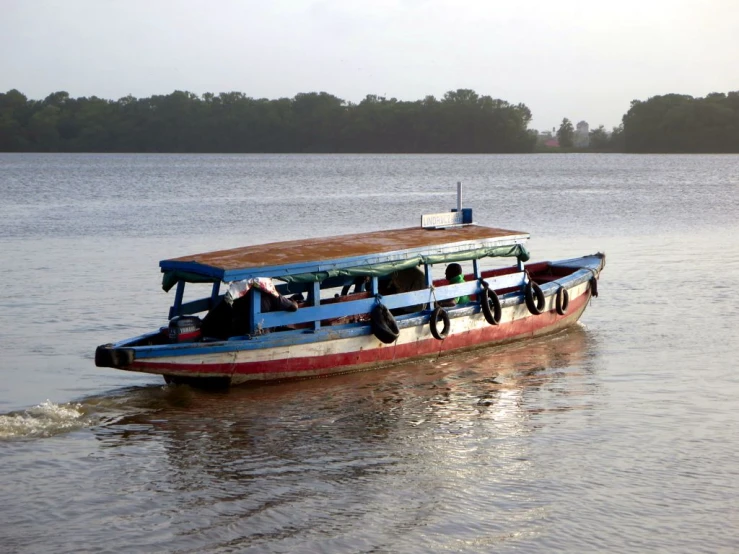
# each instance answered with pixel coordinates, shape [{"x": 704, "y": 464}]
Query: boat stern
[{"x": 108, "y": 355}]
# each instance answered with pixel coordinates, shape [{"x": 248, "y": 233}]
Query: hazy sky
[{"x": 562, "y": 58}]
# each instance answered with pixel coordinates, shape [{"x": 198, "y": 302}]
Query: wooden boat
[{"x": 353, "y": 311}]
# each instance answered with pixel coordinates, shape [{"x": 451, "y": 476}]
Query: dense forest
[
  {"x": 461, "y": 121},
  {"x": 679, "y": 123}
]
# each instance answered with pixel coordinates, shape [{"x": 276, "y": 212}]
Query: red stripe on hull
[{"x": 339, "y": 363}]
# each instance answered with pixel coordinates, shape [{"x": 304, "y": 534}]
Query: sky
[{"x": 580, "y": 59}]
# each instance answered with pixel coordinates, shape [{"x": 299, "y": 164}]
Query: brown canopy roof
[{"x": 349, "y": 246}]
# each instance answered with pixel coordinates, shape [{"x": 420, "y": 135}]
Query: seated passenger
[
  {"x": 454, "y": 276},
  {"x": 217, "y": 322},
  {"x": 226, "y": 320},
  {"x": 407, "y": 280},
  {"x": 268, "y": 303}
]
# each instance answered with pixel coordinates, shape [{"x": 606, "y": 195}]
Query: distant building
[
  {"x": 582, "y": 135},
  {"x": 547, "y": 139}
]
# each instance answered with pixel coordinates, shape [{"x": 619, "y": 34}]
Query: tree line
[
  {"x": 672, "y": 123},
  {"x": 680, "y": 123},
  {"x": 461, "y": 121}
]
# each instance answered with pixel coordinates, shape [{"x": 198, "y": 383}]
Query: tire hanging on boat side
[
  {"x": 439, "y": 312},
  {"x": 384, "y": 326},
  {"x": 534, "y": 298},
  {"x": 563, "y": 301},
  {"x": 490, "y": 304},
  {"x": 594, "y": 287}
]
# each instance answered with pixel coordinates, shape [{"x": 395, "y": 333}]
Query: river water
[{"x": 618, "y": 435}]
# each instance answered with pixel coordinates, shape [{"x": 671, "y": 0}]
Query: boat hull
[{"x": 307, "y": 354}]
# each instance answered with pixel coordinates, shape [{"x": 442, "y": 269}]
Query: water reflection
[{"x": 398, "y": 454}]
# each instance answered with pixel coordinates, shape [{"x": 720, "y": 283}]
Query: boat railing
[
  {"x": 360, "y": 304},
  {"x": 427, "y": 296},
  {"x": 192, "y": 307}
]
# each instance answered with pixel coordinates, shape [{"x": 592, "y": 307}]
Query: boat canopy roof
[{"x": 375, "y": 253}]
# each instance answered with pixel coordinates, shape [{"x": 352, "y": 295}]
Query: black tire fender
[
  {"x": 594, "y": 287},
  {"x": 384, "y": 326},
  {"x": 563, "y": 301},
  {"x": 490, "y": 304},
  {"x": 439, "y": 312},
  {"x": 534, "y": 297}
]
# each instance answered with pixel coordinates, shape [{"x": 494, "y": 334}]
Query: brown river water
[{"x": 620, "y": 434}]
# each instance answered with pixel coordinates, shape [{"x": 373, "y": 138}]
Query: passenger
[
  {"x": 226, "y": 320},
  {"x": 268, "y": 303},
  {"x": 217, "y": 322},
  {"x": 454, "y": 276},
  {"x": 407, "y": 280},
  {"x": 384, "y": 286},
  {"x": 271, "y": 303}
]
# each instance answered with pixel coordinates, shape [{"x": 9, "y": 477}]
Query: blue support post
[
  {"x": 175, "y": 309},
  {"x": 255, "y": 309},
  {"x": 522, "y": 268},
  {"x": 478, "y": 273},
  {"x": 374, "y": 286},
  {"x": 314, "y": 297},
  {"x": 429, "y": 283},
  {"x": 214, "y": 293}
]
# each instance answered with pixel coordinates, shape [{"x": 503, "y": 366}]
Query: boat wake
[
  {"x": 528, "y": 363},
  {"x": 45, "y": 420},
  {"x": 49, "y": 419}
]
